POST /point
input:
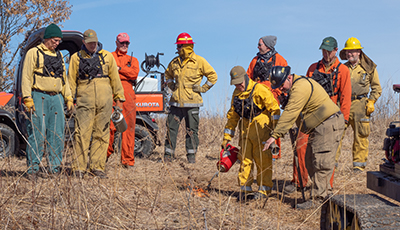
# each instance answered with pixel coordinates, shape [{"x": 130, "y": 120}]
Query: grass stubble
[{"x": 159, "y": 195}]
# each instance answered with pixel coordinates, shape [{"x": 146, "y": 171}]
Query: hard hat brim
[{"x": 183, "y": 42}]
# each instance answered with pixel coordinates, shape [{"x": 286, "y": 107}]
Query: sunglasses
[
  {"x": 125, "y": 43},
  {"x": 179, "y": 46}
]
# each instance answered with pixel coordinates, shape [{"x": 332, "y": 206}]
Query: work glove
[
  {"x": 224, "y": 144},
  {"x": 172, "y": 86},
  {"x": 118, "y": 105},
  {"x": 370, "y": 107},
  {"x": 29, "y": 105},
  {"x": 70, "y": 105},
  {"x": 199, "y": 89}
]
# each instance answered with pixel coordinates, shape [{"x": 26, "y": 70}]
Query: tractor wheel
[
  {"x": 336, "y": 216},
  {"x": 359, "y": 211},
  {"x": 332, "y": 216},
  {"x": 7, "y": 141},
  {"x": 144, "y": 143}
]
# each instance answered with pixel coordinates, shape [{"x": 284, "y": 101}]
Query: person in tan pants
[
  {"x": 318, "y": 116},
  {"x": 94, "y": 78}
]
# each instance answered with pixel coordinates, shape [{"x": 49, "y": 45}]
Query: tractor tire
[
  {"x": 144, "y": 142},
  {"x": 7, "y": 141},
  {"x": 359, "y": 211}
]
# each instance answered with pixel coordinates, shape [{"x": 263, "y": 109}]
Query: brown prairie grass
[{"x": 158, "y": 195}]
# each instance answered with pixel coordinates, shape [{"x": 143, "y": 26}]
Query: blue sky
[{"x": 226, "y": 33}]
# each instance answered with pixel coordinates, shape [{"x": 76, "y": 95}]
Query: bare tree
[{"x": 17, "y": 17}]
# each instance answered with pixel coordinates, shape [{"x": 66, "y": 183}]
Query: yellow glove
[
  {"x": 224, "y": 143},
  {"x": 370, "y": 107},
  {"x": 29, "y": 105},
  {"x": 70, "y": 105}
]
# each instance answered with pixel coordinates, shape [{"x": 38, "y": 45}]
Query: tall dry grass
[{"x": 157, "y": 195}]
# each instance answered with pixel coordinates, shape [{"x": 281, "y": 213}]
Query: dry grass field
[{"x": 157, "y": 195}]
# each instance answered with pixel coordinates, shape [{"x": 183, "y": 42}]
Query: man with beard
[
  {"x": 258, "y": 71},
  {"x": 364, "y": 77},
  {"x": 266, "y": 58},
  {"x": 183, "y": 76}
]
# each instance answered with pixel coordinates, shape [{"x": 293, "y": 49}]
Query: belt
[
  {"x": 46, "y": 92},
  {"x": 358, "y": 97},
  {"x": 334, "y": 115}
]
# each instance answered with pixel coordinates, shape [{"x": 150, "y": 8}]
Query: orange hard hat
[{"x": 184, "y": 38}]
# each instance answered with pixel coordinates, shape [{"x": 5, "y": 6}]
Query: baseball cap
[
  {"x": 329, "y": 43},
  {"x": 123, "y": 37},
  {"x": 237, "y": 75},
  {"x": 90, "y": 36}
]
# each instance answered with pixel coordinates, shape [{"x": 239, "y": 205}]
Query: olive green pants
[{"x": 175, "y": 116}]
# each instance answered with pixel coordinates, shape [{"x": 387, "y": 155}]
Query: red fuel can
[{"x": 228, "y": 158}]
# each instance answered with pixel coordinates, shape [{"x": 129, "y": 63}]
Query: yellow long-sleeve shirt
[
  {"x": 264, "y": 99},
  {"x": 30, "y": 80},
  {"x": 187, "y": 74},
  {"x": 109, "y": 67}
]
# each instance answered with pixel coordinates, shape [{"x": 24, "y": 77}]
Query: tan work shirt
[
  {"x": 362, "y": 81},
  {"x": 309, "y": 105}
]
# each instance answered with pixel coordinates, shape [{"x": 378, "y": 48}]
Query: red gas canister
[{"x": 228, "y": 158}]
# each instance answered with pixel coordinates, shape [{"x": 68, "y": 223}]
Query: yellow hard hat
[{"x": 352, "y": 44}]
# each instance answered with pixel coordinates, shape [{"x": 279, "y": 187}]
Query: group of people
[
  {"x": 323, "y": 103},
  {"x": 99, "y": 81}
]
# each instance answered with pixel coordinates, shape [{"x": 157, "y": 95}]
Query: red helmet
[{"x": 184, "y": 38}]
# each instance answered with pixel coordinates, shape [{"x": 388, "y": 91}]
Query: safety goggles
[{"x": 125, "y": 43}]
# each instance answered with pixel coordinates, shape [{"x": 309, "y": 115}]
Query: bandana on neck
[
  {"x": 267, "y": 55},
  {"x": 185, "y": 51}
]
